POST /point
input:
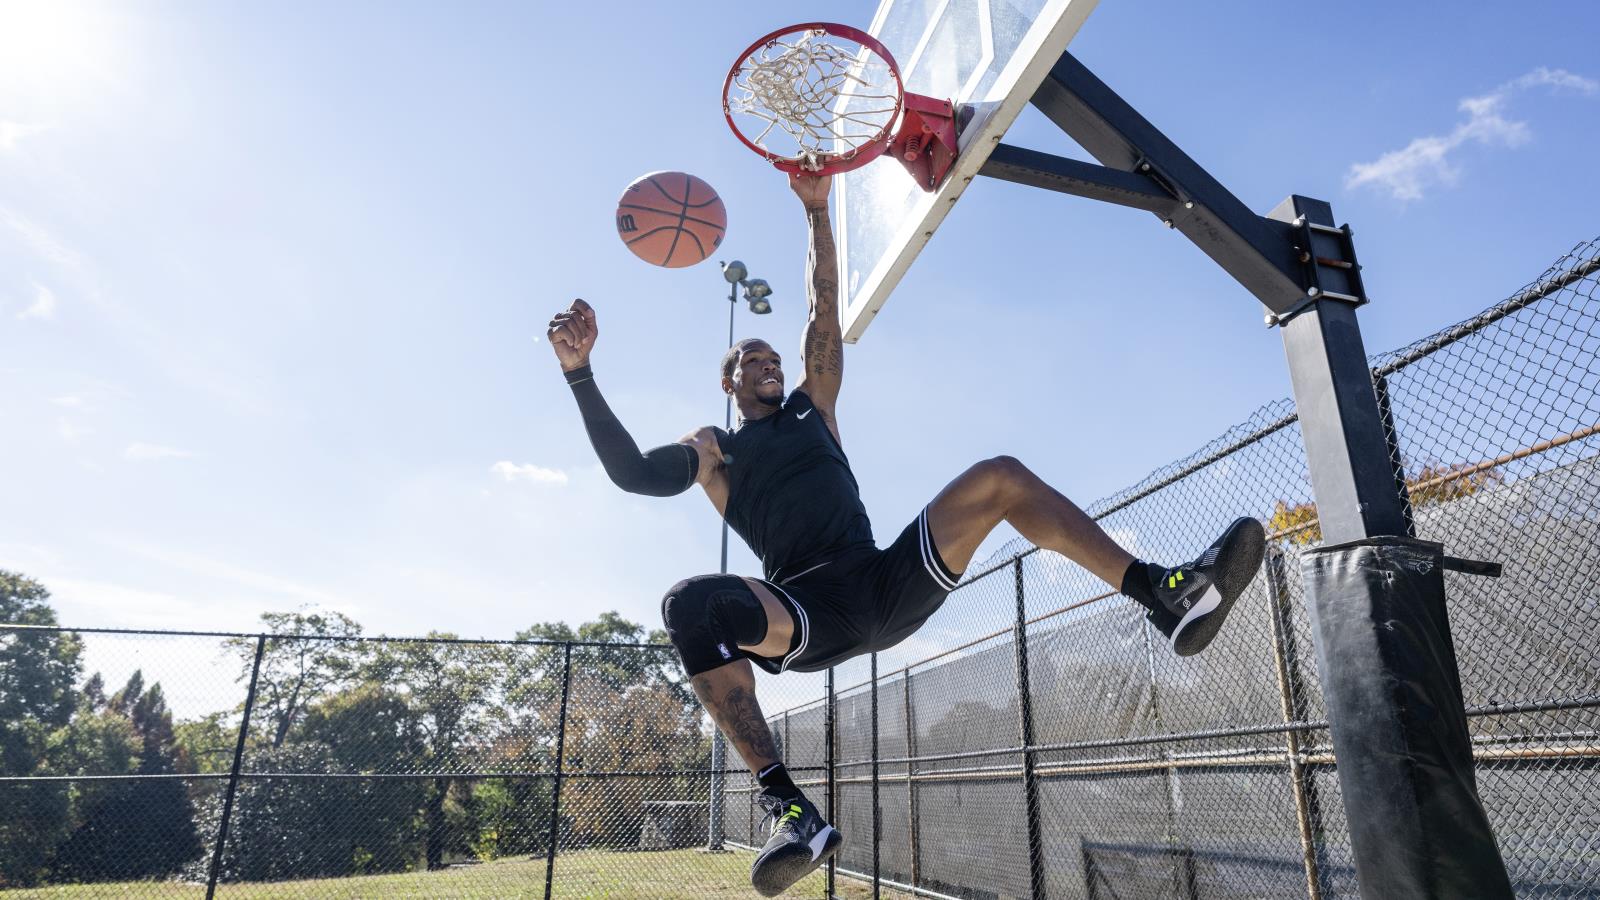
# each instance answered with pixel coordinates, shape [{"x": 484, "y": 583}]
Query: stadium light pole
[{"x": 756, "y": 292}]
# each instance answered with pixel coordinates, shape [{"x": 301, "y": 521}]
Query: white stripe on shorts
[
  {"x": 804, "y": 625},
  {"x": 928, "y": 560}
]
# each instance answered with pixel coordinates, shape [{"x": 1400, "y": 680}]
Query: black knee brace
[{"x": 709, "y": 616}]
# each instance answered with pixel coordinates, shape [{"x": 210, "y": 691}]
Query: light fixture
[
  {"x": 734, "y": 272},
  {"x": 756, "y": 292}
]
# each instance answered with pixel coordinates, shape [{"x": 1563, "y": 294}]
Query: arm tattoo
[
  {"x": 824, "y": 345},
  {"x": 824, "y": 351}
]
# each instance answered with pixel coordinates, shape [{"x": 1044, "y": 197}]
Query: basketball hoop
[{"x": 822, "y": 98}]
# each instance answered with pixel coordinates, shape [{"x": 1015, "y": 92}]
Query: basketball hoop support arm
[
  {"x": 926, "y": 143},
  {"x": 1374, "y": 593}
]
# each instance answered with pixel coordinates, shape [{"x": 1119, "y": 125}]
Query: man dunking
[{"x": 782, "y": 481}]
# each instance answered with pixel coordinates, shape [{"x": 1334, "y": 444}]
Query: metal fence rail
[{"x": 1034, "y": 740}]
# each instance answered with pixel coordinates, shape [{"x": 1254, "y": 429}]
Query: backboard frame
[{"x": 867, "y": 291}]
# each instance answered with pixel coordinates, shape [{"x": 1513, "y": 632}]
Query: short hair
[{"x": 731, "y": 358}]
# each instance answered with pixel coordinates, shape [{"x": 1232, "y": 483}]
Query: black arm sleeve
[{"x": 661, "y": 472}]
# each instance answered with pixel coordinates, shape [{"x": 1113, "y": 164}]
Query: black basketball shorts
[{"x": 863, "y": 601}]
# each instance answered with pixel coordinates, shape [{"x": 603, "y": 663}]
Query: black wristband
[{"x": 582, "y": 373}]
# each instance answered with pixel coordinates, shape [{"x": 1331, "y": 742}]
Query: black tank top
[{"x": 791, "y": 494}]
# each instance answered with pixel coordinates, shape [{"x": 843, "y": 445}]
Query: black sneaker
[
  {"x": 800, "y": 842},
  {"x": 1198, "y": 595}
]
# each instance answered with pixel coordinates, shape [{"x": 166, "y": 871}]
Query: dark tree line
[
  {"x": 471, "y": 726},
  {"x": 50, "y": 725}
]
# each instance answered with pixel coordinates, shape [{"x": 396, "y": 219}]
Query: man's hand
[
  {"x": 811, "y": 189},
  {"x": 572, "y": 334}
]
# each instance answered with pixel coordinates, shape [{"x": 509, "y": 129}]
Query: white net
[{"x": 812, "y": 95}]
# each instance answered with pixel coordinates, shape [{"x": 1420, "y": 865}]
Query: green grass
[{"x": 662, "y": 875}]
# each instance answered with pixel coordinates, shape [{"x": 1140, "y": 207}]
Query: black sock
[
  {"x": 1138, "y": 581},
  {"x": 775, "y": 779}
]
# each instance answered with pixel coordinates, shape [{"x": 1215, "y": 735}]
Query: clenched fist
[{"x": 572, "y": 334}]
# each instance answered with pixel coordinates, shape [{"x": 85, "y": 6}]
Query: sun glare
[{"x": 52, "y": 50}]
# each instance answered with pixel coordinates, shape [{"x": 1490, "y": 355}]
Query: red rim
[{"x": 834, "y": 162}]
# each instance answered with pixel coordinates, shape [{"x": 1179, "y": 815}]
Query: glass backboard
[{"x": 988, "y": 56}]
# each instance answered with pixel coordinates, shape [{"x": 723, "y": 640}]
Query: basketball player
[{"x": 782, "y": 481}]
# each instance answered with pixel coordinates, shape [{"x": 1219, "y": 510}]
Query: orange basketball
[{"x": 671, "y": 219}]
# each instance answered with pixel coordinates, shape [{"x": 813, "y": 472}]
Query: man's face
[{"x": 757, "y": 376}]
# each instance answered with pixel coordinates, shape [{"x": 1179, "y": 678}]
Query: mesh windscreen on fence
[{"x": 1036, "y": 738}]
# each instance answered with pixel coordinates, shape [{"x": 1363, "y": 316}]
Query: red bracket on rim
[{"x": 926, "y": 143}]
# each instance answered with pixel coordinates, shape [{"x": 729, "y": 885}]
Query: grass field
[{"x": 666, "y": 875}]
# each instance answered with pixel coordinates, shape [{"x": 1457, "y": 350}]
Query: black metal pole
[
  {"x": 561, "y": 750},
  {"x": 877, "y": 811},
  {"x": 911, "y": 786},
  {"x": 1347, "y": 452},
  {"x": 719, "y": 744},
  {"x": 727, "y": 415},
  {"x": 238, "y": 763},
  {"x": 1378, "y": 614},
  {"x": 1030, "y": 784},
  {"x": 827, "y": 728},
  {"x": 1307, "y": 816},
  {"x": 1391, "y": 433}
]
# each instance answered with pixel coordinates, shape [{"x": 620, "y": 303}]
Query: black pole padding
[{"x": 1417, "y": 827}]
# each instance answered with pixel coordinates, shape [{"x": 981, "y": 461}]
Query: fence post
[
  {"x": 877, "y": 812},
  {"x": 911, "y": 786},
  {"x": 827, "y": 728},
  {"x": 561, "y": 751},
  {"x": 1391, "y": 434},
  {"x": 1030, "y": 785},
  {"x": 1169, "y": 773},
  {"x": 1305, "y": 808},
  {"x": 233, "y": 776},
  {"x": 719, "y": 761}
]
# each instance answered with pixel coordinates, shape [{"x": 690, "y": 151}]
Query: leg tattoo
[
  {"x": 750, "y": 731},
  {"x": 729, "y": 695}
]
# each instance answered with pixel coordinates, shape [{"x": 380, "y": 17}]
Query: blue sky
[{"x": 273, "y": 280}]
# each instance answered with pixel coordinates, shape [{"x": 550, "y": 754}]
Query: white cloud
[
  {"x": 70, "y": 401},
  {"x": 1425, "y": 162},
  {"x": 71, "y": 431},
  {"x": 43, "y": 306},
  {"x": 142, "y": 452},
  {"x": 13, "y": 133},
  {"x": 41, "y": 241},
  {"x": 510, "y": 471}
]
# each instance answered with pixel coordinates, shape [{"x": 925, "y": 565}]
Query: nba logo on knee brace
[{"x": 723, "y": 649}]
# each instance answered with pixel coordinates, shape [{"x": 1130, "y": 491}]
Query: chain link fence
[{"x": 1035, "y": 739}]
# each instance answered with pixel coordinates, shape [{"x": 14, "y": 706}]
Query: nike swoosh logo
[{"x": 803, "y": 415}]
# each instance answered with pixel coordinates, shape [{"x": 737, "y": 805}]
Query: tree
[
  {"x": 124, "y": 829},
  {"x": 451, "y": 689},
  {"x": 205, "y": 745},
  {"x": 304, "y": 659},
  {"x": 285, "y": 828},
  {"x": 628, "y": 710},
  {"x": 37, "y": 672},
  {"x": 371, "y": 729}
]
